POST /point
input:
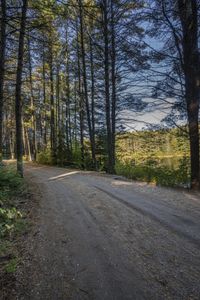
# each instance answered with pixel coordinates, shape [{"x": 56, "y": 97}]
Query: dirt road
[{"x": 103, "y": 238}]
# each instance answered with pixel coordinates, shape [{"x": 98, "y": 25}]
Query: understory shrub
[
  {"x": 44, "y": 157},
  {"x": 10, "y": 184},
  {"x": 160, "y": 175}
]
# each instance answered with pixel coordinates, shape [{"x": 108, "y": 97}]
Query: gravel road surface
[{"x": 104, "y": 237}]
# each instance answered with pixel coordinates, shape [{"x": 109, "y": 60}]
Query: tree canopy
[{"x": 70, "y": 70}]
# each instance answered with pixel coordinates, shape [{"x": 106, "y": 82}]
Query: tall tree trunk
[
  {"x": 2, "y": 66},
  {"x": 91, "y": 133},
  {"x": 188, "y": 17},
  {"x": 33, "y": 119},
  {"x": 68, "y": 114},
  {"x": 107, "y": 86},
  {"x": 25, "y": 148},
  {"x": 18, "y": 100},
  {"x": 113, "y": 79},
  {"x": 58, "y": 99},
  {"x": 68, "y": 102},
  {"x": 28, "y": 144},
  {"x": 53, "y": 137},
  {"x": 12, "y": 147},
  {"x": 81, "y": 117},
  {"x": 44, "y": 95},
  {"x": 92, "y": 88},
  {"x": 81, "y": 109},
  {"x": 75, "y": 114}
]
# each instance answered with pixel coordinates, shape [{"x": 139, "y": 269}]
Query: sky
[{"x": 139, "y": 121}]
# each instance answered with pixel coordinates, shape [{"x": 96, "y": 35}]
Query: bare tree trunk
[
  {"x": 58, "y": 100},
  {"x": 33, "y": 119},
  {"x": 53, "y": 138},
  {"x": 28, "y": 144},
  {"x": 81, "y": 108},
  {"x": 44, "y": 95},
  {"x": 12, "y": 147},
  {"x": 67, "y": 111},
  {"x": 91, "y": 133},
  {"x": 113, "y": 78},
  {"x": 92, "y": 89},
  {"x": 68, "y": 104},
  {"x": 25, "y": 151},
  {"x": 18, "y": 100},
  {"x": 68, "y": 115},
  {"x": 2, "y": 70},
  {"x": 107, "y": 86},
  {"x": 188, "y": 17},
  {"x": 81, "y": 116},
  {"x": 75, "y": 114}
]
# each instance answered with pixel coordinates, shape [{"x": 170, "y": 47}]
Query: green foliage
[
  {"x": 12, "y": 221},
  {"x": 10, "y": 182},
  {"x": 160, "y": 175},
  {"x": 11, "y": 266},
  {"x": 76, "y": 157},
  {"x": 9, "y": 179},
  {"x": 44, "y": 157},
  {"x": 143, "y": 145},
  {"x": 8, "y": 220},
  {"x": 10, "y": 216},
  {"x": 160, "y": 156}
]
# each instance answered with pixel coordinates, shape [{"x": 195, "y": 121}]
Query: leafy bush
[
  {"x": 10, "y": 183},
  {"x": 12, "y": 221},
  {"x": 8, "y": 219},
  {"x": 11, "y": 266},
  {"x": 9, "y": 178},
  {"x": 44, "y": 157},
  {"x": 160, "y": 175}
]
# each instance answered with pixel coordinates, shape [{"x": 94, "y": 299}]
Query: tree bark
[
  {"x": 91, "y": 133},
  {"x": 113, "y": 80},
  {"x": 75, "y": 115},
  {"x": 92, "y": 89},
  {"x": 67, "y": 108},
  {"x": 18, "y": 100},
  {"x": 2, "y": 70},
  {"x": 68, "y": 102},
  {"x": 188, "y": 17},
  {"x": 44, "y": 95},
  {"x": 52, "y": 117},
  {"x": 110, "y": 168},
  {"x": 81, "y": 109},
  {"x": 33, "y": 118}
]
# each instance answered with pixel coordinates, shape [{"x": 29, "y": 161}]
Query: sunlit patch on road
[{"x": 63, "y": 175}]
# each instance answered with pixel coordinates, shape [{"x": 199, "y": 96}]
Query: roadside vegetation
[
  {"x": 160, "y": 175},
  {"x": 160, "y": 157},
  {"x": 13, "y": 224}
]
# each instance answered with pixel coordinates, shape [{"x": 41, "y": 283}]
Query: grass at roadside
[{"x": 13, "y": 223}]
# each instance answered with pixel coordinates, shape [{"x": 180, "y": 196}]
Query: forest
[
  {"x": 75, "y": 76},
  {"x": 99, "y": 149}
]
